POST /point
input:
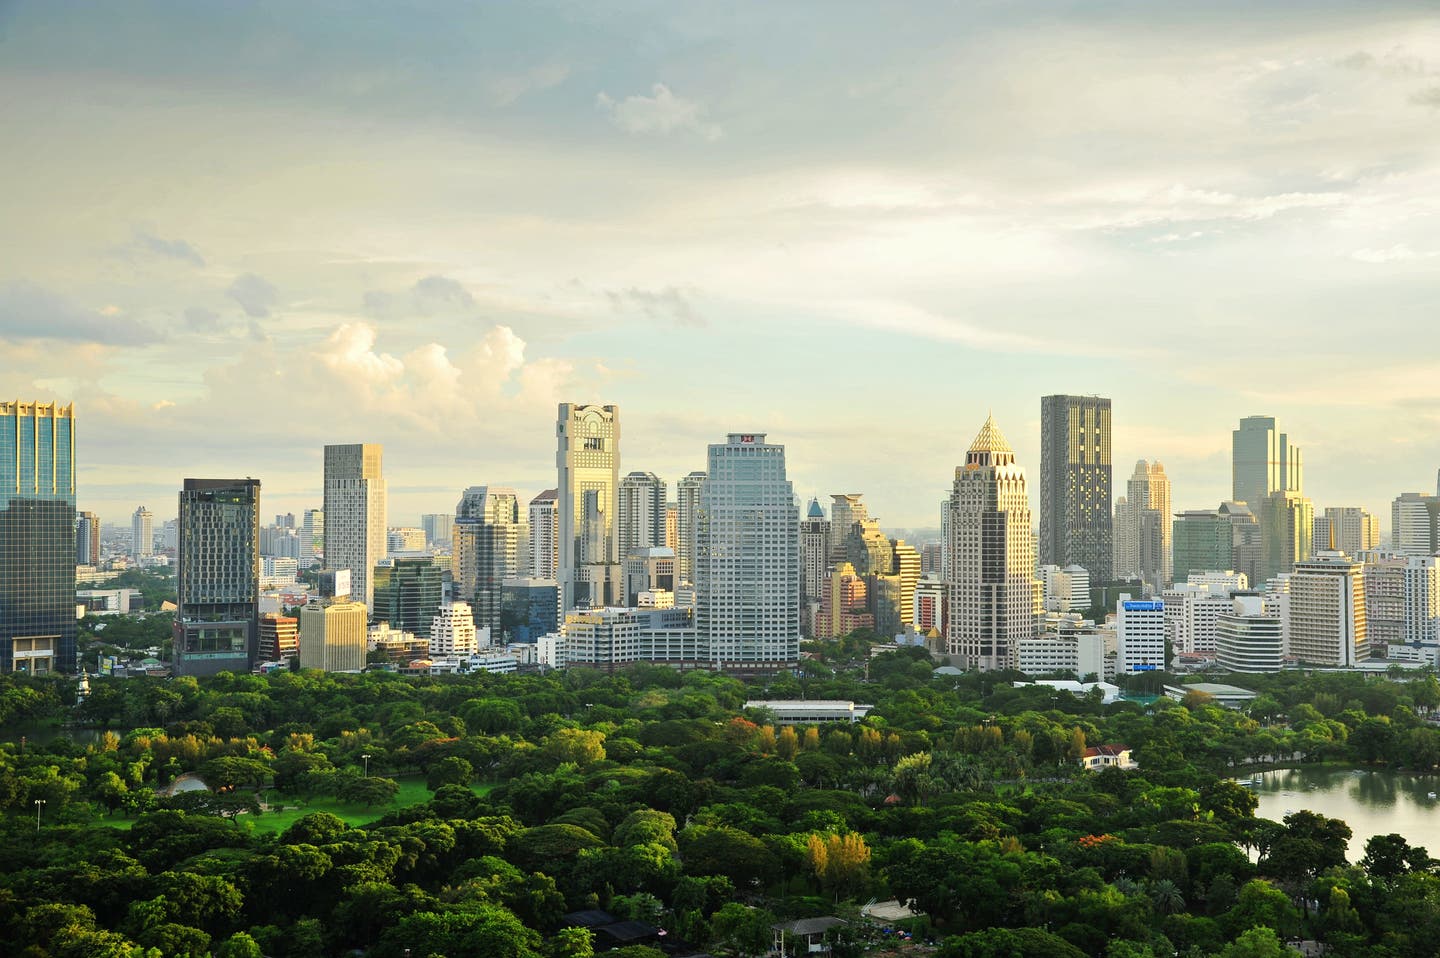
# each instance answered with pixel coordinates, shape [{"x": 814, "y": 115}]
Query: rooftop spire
[{"x": 990, "y": 438}]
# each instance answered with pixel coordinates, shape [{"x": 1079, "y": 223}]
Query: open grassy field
[{"x": 288, "y": 809}]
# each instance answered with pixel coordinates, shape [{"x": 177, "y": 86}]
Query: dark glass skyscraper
[
  {"x": 37, "y": 537},
  {"x": 1076, "y": 523},
  {"x": 408, "y": 592},
  {"x": 218, "y": 576}
]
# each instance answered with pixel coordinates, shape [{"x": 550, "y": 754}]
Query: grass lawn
[{"x": 412, "y": 792}]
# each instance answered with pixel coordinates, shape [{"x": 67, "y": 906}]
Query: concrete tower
[
  {"x": 355, "y": 531},
  {"x": 1075, "y": 473}
]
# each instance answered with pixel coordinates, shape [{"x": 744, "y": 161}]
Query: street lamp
[
  {"x": 38, "y": 803},
  {"x": 366, "y": 757}
]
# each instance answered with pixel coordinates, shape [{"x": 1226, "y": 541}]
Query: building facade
[
  {"x": 687, "y": 505},
  {"x": 588, "y": 465},
  {"x": 490, "y": 546},
  {"x": 37, "y": 537},
  {"x": 408, "y": 590},
  {"x": 1263, "y": 461},
  {"x": 1248, "y": 638},
  {"x": 747, "y": 556},
  {"x": 1347, "y": 529},
  {"x": 1327, "y": 621},
  {"x": 453, "y": 632},
  {"x": 142, "y": 533},
  {"x": 355, "y": 510},
  {"x": 1143, "y": 526},
  {"x": 544, "y": 536},
  {"x": 1140, "y": 636},
  {"x": 333, "y": 636},
  {"x": 437, "y": 526},
  {"x": 991, "y": 604},
  {"x": 641, "y": 522},
  {"x": 217, "y": 619},
  {"x": 1076, "y": 525},
  {"x": 87, "y": 538}
]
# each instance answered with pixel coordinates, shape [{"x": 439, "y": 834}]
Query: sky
[{"x": 232, "y": 233}]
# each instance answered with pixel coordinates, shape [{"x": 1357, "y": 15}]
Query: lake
[{"x": 1370, "y": 802}]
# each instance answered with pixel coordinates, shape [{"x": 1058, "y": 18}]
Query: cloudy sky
[{"x": 233, "y": 232}]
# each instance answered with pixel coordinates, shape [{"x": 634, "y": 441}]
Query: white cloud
[
  {"x": 1399, "y": 253},
  {"x": 663, "y": 112}
]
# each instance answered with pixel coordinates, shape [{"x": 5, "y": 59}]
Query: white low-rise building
[
  {"x": 1139, "y": 636},
  {"x": 452, "y": 631},
  {"x": 811, "y": 711},
  {"x": 1248, "y": 638}
]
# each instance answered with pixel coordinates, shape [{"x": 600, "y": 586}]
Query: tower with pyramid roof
[{"x": 991, "y": 550}]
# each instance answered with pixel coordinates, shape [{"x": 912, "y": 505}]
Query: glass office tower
[{"x": 37, "y": 537}]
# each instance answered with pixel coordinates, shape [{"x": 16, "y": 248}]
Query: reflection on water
[{"x": 1370, "y": 802}]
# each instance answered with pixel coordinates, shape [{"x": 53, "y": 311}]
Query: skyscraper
[
  {"x": 217, "y": 621},
  {"x": 747, "y": 556},
  {"x": 408, "y": 590},
  {"x": 142, "y": 533},
  {"x": 1415, "y": 524},
  {"x": 87, "y": 538},
  {"x": 641, "y": 520},
  {"x": 846, "y": 509},
  {"x": 37, "y": 537},
  {"x": 992, "y": 556},
  {"x": 1143, "y": 528},
  {"x": 588, "y": 464},
  {"x": 355, "y": 514},
  {"x": 312, "y": 534},
  {"x": 1287, "y": 521},
  {"x": 814, "y": 559},
  {"x": 1201, "y": 541},
  {"x": 489, "y": 548},
  {"x": 544, "y": 536},
  {"x": 687, "y": 499},
  {"x": 1263, "y": 461},
  {"x": 1075, "y": 471}
]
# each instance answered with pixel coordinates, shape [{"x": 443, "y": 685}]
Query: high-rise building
[
  {"x": 1064, "y": 590},
  {"x": 1139, "y": 636},
  {"x": 907, "y": 571},
  {"x": 844, "y": 606},
  {"x": 1248, "y": 638},
  {"x": 846, "y": 509},
  {"x": 312, "y": 533},
  {"x": 1075, "y": 472},
  {"x": 437, "y": 529},
  {"x": 87, "y": 538},
  {"x": 1327, "y": 622},
  {"x": 672, "y": 527},
  {"x": 142, "y": 533},
  {"x": 991, "y": 547},
  {"x": 1353, "y": 530},
  {"x": 687, "y": 499},
  {"x": 333, "y": 636},
  {"x": 489, "y": 538},
  {"x": 217, "y": 619},
  {"x": 747, "y": 556},
  {"x": 588, "y": 465},
  {"x": 1287, "y": 521},
  {"x": 529, "y": 609},
  {"x": 647, "y": 570},
  {"x": 1263, "y": 462},
  {"x": 641, "y": 520},
  {"x": 814, "y": 560},
  {"x": 404, "y": 539},
  {"x": 1246, "y": 540},
  {"x": 408, "y": 590},
  {"x": 544, "y": 527},
  {"x": 453, "y": 632},
  {"x": 1415, "y": 524},
  {"x": 1201, "y": 540},
  {"x": 37, "y": 537},
  {"x": 929, "y": 615},
  {"x": 1143, "y": 528},
  {"x": 868, "y": 549},
  {"x": 1193, "y": 609},
  {"x": 279, "y": 637},
  {"x": 1402, "y": 601},
  {"x": 355, "y": 514}
]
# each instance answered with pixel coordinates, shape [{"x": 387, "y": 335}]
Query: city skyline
[{"x": 263, "y": 238}]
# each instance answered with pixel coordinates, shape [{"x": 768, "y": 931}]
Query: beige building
[
  {"x": 355, "y": 509},
  {"x": 587, "y": 460},
  {"x": 1327, "y": 611},
  {"x": 991, "y": 549},
  {"x": 333, "y": 637},
  {"x": 1143, "y": 528},
  {"x": 1287, "y": 522},
  {"x": 1354, "y": 530}
]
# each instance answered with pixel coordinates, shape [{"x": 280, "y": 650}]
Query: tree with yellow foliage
[{"x": 840, "y": 862}]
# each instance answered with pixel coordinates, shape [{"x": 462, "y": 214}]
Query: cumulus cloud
[
  {"x": 176, "y": 249},
  {"x": 662, "y": 112},
  {"x": 28, "y": 311},
  {"x": 670, "y": 303},
  {"x": 256, "y": 296}
]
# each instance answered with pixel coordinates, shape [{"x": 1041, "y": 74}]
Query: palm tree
[{"x": 1167, "y": 896}]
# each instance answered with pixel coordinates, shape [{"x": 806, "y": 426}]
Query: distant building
[
  {"x": 811, "y": 711},
  {"x": 588, "y": 463},
  {"x": 991, "y": 602},
  {"x": 544, "y": 523},
  {"x": 1415, "y": 524},
  {"x": 1143, "y": 528},
  {"x": 333, "y": 636},
  {"x": 1201, "y": 539},
  {"x": 845, "y": 606},
  {"x": 647, "y": 570},
  {"x": 355, "y": 511},
  {"x": 687, "y": 501},
  {"x": 1075, "y": 474},
  {"x": 489, "y": 534},
  {"x": 1140, "y": 636},
  {"x": 1327, "y": 611},
  {"x": 815, "y": 560},
  {"x": 1263, "y": 461},
  {"x": 1402, "y": 601},
  {"x": 528, "y": 609},
  {"x": 1287, "y": 521},
  {"x": 1350, "y": 530},
  {"x": 641, "y": 522},
  {"x": 453, "y": 632},
  {"x": 437, "y": 528},
  {"x": 408, "y": 590},
  {"x": 929, "y": 609},
  {"x": 87, "y": 538},
  {"x": 142, "y": 533},
  {"x": 218, "y": 577},
  {"x": 1108, "y": 756},
  {"x": 279, "y": 637},
  {"x": 404, "y": 539}
]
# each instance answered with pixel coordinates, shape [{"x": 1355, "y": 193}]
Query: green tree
[{"x": 742, "y": 930}]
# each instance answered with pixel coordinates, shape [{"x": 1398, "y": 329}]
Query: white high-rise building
[
  {"x": 588, "y": 464},
  {"x": 991, "y": 549},
  {"x": 747, "y": 556},
  {"x": 1402, "y": 600},
  {"x": 142, "y": 533},
  {"x": 1139, "y": 636},
  {"x": 1064, "y": 590},
  {"x": 544, "y": 535},
  {"x": 1192, "y": 613},
  {"x": 687, "y": 502},
  {"x": 355, "y": 514},
  {"x": 641, "y": 521},
  {"x": 814, "y": 557},
  {"x": 453, "y": 632},
  {"x": 1327, "y": 611},
  {"x": 1248, "y": 638},
  {"x": 312, "y": 532},
  {"x": 1414, "y": 523},
  {"x": 490, "y": 547}
]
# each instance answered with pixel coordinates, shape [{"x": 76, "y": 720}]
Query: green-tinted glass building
[
  {"x": 37, "y": 537},
  {"x": 1202, "y": 540},
  {"x": 408, "y": 592}
]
